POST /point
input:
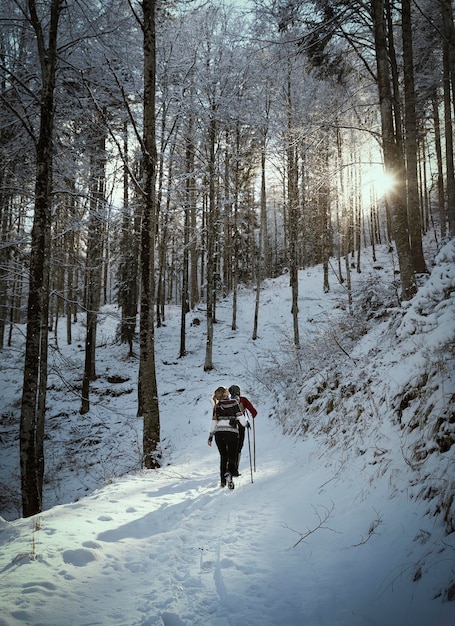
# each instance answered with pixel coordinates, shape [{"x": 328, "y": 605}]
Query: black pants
[{"x": 227, "y": 443}]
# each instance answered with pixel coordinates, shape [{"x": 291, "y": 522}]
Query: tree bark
[
  {"x": 128, "y": 267},
  {"x": 210, "y": 256},
  {"x": 448, "y": 135},
  {"x": 35, "y": 371},
  {"x": 263, "y": 256},
  {"x": 94, "y": 261},
  {"x": 189, "y": 202},
  {"x": 392, "y": 156},
  {"x": 293, "y": 221},
  {"x": 410, "y": 142},
  {"x": 147, "y": 384},
  {"x": 439, "y": 163}
]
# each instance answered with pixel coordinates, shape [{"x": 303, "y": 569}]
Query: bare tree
[
  {"x": 210, "y": 251},
  {"x": 392, "y": 156},
  {"x": 95, "y": 249},
  {"x": 148, "y": 405},
  {"x": 35, "y": 366},
  {"x": 293, "y": 210},
  {"x": 410, "y": 141},
  {"x": 128, "y": 266},
  {"x": 449, "y": 89}
]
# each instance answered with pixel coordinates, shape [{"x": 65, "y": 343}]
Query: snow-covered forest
[{"x": 191, "y": 191}]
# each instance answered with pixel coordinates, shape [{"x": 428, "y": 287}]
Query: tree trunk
[
  {"x": 35, "y": 377},
  {"x": 147, "y": 385},
  {"x": 128, "y": 267},
  {"x": 94, "y": 260},
  {"x": 189, "y": 202},
  {"x": 210, "y": 256},
  {"x": 227, "y": 217},
  {"x": 439, "y": 163},
  {"x": 410, "y": 142},
  {"x": 392, "y": 156},
  {"x": 448, "y": 134},
  {"x": 194, "y": 256},
  {"x": 263, "y": 256},
  {"x": 293, "y": 221},
  {"x": 5, "y": 253},
  {"x": 236, "y": 238},
  {"x": 193, "y": 242},
  {"x": 323, "y": 201},
  {"x": 449, "y": 37}
]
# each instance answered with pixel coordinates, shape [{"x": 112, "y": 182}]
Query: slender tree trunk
[
  {"x": 189, "y": 201},
  {"x": 265, "y": 246},
  {"x": 147, "y": 384},
  {"x": 449, "y": 37},
  {"x": 194, "y": 256},
  {"x": 35, "y": 377},
  {"x": 448, "y": 134},
  {"x": 227, "y": 217},
  {"x": 69, "y": 287},
  {"x": 236, "y": 242},
  {"x": 389, "y": 42},
  {"x": 293, "y": 212},
  {"x": 185, "y": 276},
  {"x": 193, "y": 240},
  {"x": 163, "y": 241},
  {"x": 210, "y": 228},
  {"x": 439, "y": 163},
  {"x": 5, "y": 254},
  {"x": 423, "y": 162},
  {"x": 42, "y": 385},
  {"x": 235, "y": 271},
  {"x": 128, "y": 269},
  {"x": 324, "y": 217},
  {"x": 449, "y": 91},
  {"x": 94, "y": 261},
  {"x": 358, "y": 221},
  {"x": 263, "y": 257},
  {"x": 346, "y": 222}
]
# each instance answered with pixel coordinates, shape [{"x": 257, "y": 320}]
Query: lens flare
[{"x": 382, "y": 182}]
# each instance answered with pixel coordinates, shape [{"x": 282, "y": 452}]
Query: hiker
[
  {"x": 245, "y": 406},
  {"x": 227, "y": 415}
]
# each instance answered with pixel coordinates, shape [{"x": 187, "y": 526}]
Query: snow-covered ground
[{"x": 345, "y": 520}]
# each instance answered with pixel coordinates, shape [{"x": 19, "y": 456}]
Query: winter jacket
[
  {"x": 246, "y": 404},
  {"x": 226, "y": 415}
]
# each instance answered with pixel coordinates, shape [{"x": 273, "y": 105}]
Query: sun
[{"x": 381, "y": 181}]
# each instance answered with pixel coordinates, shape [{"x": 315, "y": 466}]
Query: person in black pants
[
  {"x": 225, "y": 420},
  {"x": 247, "y": 408}
]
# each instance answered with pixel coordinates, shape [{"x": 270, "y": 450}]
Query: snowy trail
[
  {"x": 203, "y": 557},
  {"x": 217, "y": 545},
  {"x": 196, "y": 555}
]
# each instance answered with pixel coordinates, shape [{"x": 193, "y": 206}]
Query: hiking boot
[{"x": 229, "y": 481}]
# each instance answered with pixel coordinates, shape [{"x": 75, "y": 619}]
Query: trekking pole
[
  {"x": 254, "y": 445},
  {"x": 249, "y": 449}
]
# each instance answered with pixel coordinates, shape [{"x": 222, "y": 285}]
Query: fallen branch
[
  {"x": 371, "y": 530},
  {"x": 323, "y": 517}
]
